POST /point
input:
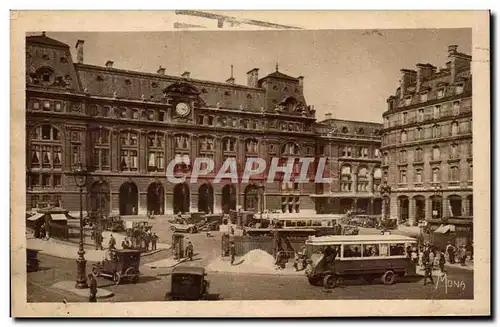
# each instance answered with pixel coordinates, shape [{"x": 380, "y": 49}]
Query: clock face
[{"x": 182, "y": 109}]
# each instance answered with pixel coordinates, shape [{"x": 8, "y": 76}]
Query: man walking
[
  {"x": 441, "y": 261},
  {"x": 92, "y": 288},
  {"x": 233, "y": 252},
  {"x": 154, "y": 239},
  {"x": 428, "y": 272}
]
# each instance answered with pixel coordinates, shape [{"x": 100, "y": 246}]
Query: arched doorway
[
  {"x": 129, "y": 198},
  {"x": 251, "y": 198},
  {"x": 155, "y": 198},
  {"x": 206, "y": 198},
  {"x": 377, "y": 206},
  {"x": 228, "y": 198},
  {"x": 455, "y": 205},
  {"x": 345, "y": 204},
  {"x": 419, "y": 208},
  {"x": 99, "y": 198},
  {"x": 181, "y": 198},
  {"x": 437, "y": 207},
  {"x": 404, "y": 208}
]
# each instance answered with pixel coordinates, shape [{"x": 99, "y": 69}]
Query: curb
[{"x": 68, "y": 286}]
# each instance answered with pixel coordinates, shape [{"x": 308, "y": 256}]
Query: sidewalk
[{"x": 65, "y": 250}]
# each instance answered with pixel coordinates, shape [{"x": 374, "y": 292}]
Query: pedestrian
[
  {"x": 441, "y": 261},
  {"x": 92, "y": 287},
  {"x": 450, "y": 249},
  {"x": 232, "y": 251},
  {"x": 124, "y": 244},
  {"x": 190, "y": 251},
  {"x": 463, "y": 255},
  {"x": 154, "y": 239},
  {"x": 232, "y": 230},
  {"x": 428, "y": 272},
  {"x": 112, "y": 242},
  {"x": 431, "y": 257}
]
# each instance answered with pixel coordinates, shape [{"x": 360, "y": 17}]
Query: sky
[{"x": 349, "y": 73}]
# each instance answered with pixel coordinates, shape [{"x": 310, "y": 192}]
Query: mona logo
[{"x": 448, "y": 283}]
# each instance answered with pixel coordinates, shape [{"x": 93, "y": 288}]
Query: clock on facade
[{"x": 182, "y": 109}]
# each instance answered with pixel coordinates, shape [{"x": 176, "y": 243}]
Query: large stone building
[
  {"x": 126, "y": 126},
  {"x": 427, "y": 144},
  {"x": 352, "y": 149}
]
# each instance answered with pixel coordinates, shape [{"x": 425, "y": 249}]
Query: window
[
  {"x": 440, "y": 93},
  {"x": 459, "y": 89},
  {"x": 420, "y": 115},
  {"x": 128, "y": 160},
  {"x": 404, "y": 118},
  {"x": 386, "y": 158},
  {"x": 402, "y": 156},
  {"x": 423, "y": 97},
  {"x": 469, "y": 150},
  {"x": 46, "y": 147},
  {"x": 437, "y": 111},
  {"x": 105, "y": 111},
  {"x": 346, "y": 173},
  {"x": 36, "y": 105},
  {"x": 435, "y": 175},
  {"x": 352, "y": 250},
  {"x": 397, "y": 249},
  {"x": 46, "y": 180},
  {"x": 210, "y": 120},
  {"x": 454, "y": 151},
  {"x": 229, "y": 145},
  {"x": 454, "y": 174},
  {"x": 181, "y": 142},
  {"x": 57, "y": 180},
  {"x": 347, "y": 151},
  {"x": 57, "y": 106},
  {"x": 456, "y": 107},
  {"x": 206, "y": 144},
  {"x": 402, "y": 176},
  {"x": 135, "y": 114},
  {"x": 370, "y": 250},
  {"x": 345, "y": 130},
  {"x": 471, "y": 172},
  {"x": 454, "y": 128},
  {"x": 161, "y": 115},
  {"x": 407, "y": 101},
  {"x": 436, "y": 154},
  {"x": 419, "y": 155},
  {"x": 376, "y": 153},
  {"x": 128, "y": 138},
  {"x": 200, "y": 119},
  {"x": 156, "y": 149},
  {"x": 403, "y": 136},
  {"x": 251, "y": 146},
  {"x": 34, "y": 201},
  {"x": 150, "y": 115},
  {"x": 364, "y": 152},
  {"x": 123, "y": 113},
  {"x": 418, "y": 176},
  {"x": 436, "y": 131}
]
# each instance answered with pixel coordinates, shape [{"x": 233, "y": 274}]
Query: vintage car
[
  {"x": 188, "y": 283},
  {"x": 184, "y": 227},
  {"x": 121, "y": 265}
]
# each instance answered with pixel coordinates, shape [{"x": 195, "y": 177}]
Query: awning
[
  {"x": 36, "y": 216},
  {"x": 443, "y": 229},
  {"x": 58, "y": 216}
]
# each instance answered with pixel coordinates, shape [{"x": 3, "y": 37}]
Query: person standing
[
  {"x": 92, "y": 287},
  {"x": 154, "y": 239},
  {"x": 112, "y": 242},
  {"x": 428, "y": 272},
  {"x": 232, "y": 249},
  {"x": 450, "y": 249},
  {"x": 463, "y": 255},
  {"x": 441, "y": 261}
]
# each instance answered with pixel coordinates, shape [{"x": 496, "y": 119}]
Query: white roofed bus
[{"x": 335, "y": 257}]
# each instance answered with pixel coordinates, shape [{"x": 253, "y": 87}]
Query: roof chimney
[
  {"x": 301, "y": 83},
  {"x": 109, "y": 64},
  {"x": 328, "y": 116},
  {"x": 79, "y": 51},
  {"x": 424, "y": 71},
  {"x": 253, "y": 77},
  {"x": 452, "y": 49},
  {"x": 408, "y": 76},
  {"x": 161, "y": 70},
  {"x": 186, "y": 74},
  {"x": 458, "y": 60},
  {"x": 230, "y": 80}
]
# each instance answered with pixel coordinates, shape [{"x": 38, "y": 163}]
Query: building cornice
[{"x": 464, "y": 95}]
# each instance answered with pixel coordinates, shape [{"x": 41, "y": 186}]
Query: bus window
[
  {"x": 290, "y": 223},
  {"x": 309, "y": 223},
  {"x": 397, "y": 249},
  {"x": 352, "y": 251},
  {"x": 384, "y": 250},
  {"x": 301, "y": 223},
  {"x": 324, "y": 223},
  {"x": 316, "y": 223},
  {"x": 370, "y": 250}
]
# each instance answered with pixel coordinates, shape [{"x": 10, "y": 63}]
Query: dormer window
[
  {"x": 154, "y": 85},
  {"x": 407, "y": 100},
  {"x": 345, "y": 130},
  {"x": 423, "y": 97},
  {"x": 275, "y": 87},
  {"x": 440, "y": 93}
]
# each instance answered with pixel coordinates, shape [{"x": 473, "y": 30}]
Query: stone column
[
  {"x": 142, "y": 153},
  {"x": 115, "y": 150},
  {"x": 411, "y": 210},
  {"x": 428, "y": 208}
]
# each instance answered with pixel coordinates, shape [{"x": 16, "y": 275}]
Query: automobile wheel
[
  {"x": 329, "y": 281},
  {"x": 388, "y": 277},
  {"x": 117, "y": 278},
  {"x": 172, "y": 228},
  {"x": 189, "y": 230},
  {"x": 130, "y": 272},
  {"x": 314, "y": 281}
]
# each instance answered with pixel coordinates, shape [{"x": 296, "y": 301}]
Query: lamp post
[
  {"x": 385, "y": 191},
  {"x": 261, "y": 188},
  {"x": 80, "y": 175}
]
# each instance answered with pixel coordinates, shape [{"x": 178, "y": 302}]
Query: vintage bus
[{"x": 357, "y": 256}]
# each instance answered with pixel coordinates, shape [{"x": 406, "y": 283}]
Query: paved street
[{"x": 154, "y": 284}]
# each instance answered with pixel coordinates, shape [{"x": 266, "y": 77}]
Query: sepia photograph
[{"x": 226, "y": 159}]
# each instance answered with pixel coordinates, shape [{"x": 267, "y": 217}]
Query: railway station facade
[{"x": 126, "y": 126}]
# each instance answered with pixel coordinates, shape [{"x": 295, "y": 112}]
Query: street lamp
[
  {"x": 385, "y": 191},
  {"x": 261, "y": 188},
  {"x": 80, "y": 175}
]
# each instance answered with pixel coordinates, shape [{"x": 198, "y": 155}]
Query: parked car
[
  {"x": 184, "y": 228},
  {"x": 188, "y": 283},
  {"x": 123, "y": 264}
]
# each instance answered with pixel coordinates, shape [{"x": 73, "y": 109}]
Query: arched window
[
  {"x": 251, "y": 146},
  {"x": 129, "y": 148},
  {"x": 101, "y": 148},
  {"x": 346, "y": 172},
  {"x": 347, "y": 152},
  {"x": 156, "y": 152}
]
